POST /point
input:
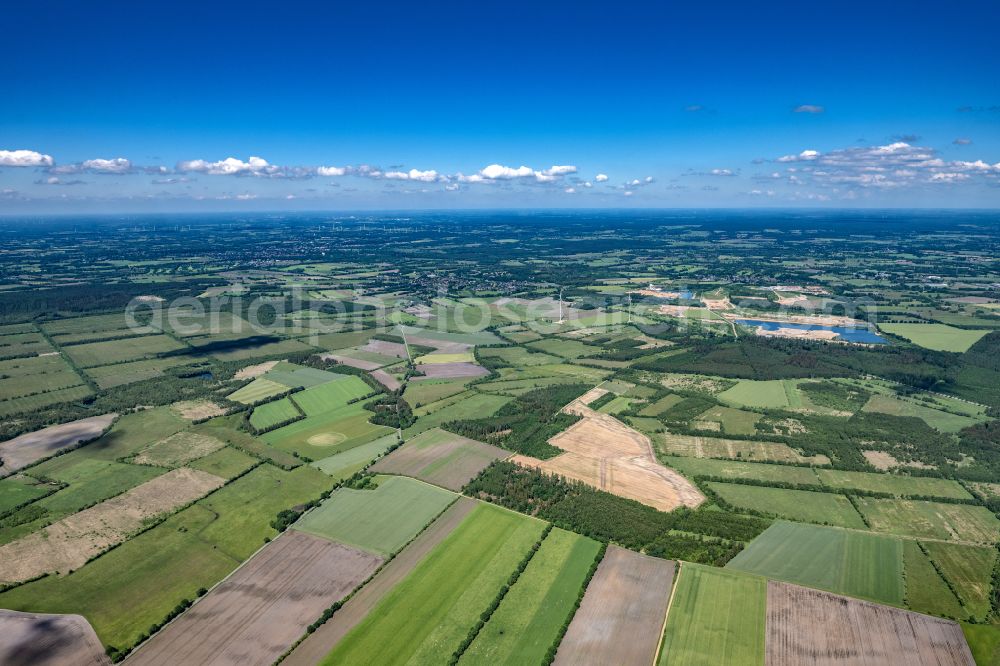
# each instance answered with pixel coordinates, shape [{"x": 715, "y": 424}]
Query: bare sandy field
[
  {"x": 450, "y": 371},
  {"x": 194, "y": 410},
  {"x": 319, "y": 643},
  {"x": 621, "y": 616},
  {"x": 592, "y": 395},
  {"x": 178, "y": 449},
  {"x": 603, "y": 452},
  {"x": 33, "y": 639},
  {"x": 782, "y": 332},
  {"x": 807, "y": 626},
  {"x": 885, "y": 461},
  {"x": 68, "y": 543},
  {"x": 386, "y": 380},
  {"x": 386, "y": 348},
  {"x": 33, "y": 446},
  {"x": 252, "y": 371},
  {"x": 441, "y": 458},
  {"x": 264, "y": 606}
]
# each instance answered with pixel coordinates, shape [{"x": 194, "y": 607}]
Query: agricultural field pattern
[{"x": 606, "y": 438}]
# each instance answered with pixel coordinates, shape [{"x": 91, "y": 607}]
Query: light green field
[
  {"x": 935, "y": 418},
  {"x": 984, "y": 641},
  {"x": 16, "y": 490},
  {"x": 136, "y": 584},
  {"x": 380, "y": 521},
  {"x": 564, "y": 348},
  {"x": 477, "y": 338},
  {"x": 325, "y": 434},
  {"x": 715, "y": 617},
  {"x": 426, "y": 616},
  {"x": 422, "y": 393},
  {"x": 734, "y": 469},
  {"x": 804, "y": 505},
  {"x": 933, "y": 520},
  {"x": 733, "y": 421},
  {"x": 661, "y": 405},
  {"x": 926, "y": 591},
  {"x": 272, "y": 413},
  {"x": 331, "y": 395},
  {"x": 109, "y": 376},
  {"x": 473, "y": 406},
  {"x": 940, "y": 337},
  {"x": 257, "y": 390},
  {"x": 969, "y": 569},
  {"x": 519, "y": 356},
  {"x": 27, "y": 376},
  {"x": 299, "y": 376},
  {"x": 893, "y": 484},
  {"x": 769, "y": 394},
  {"x": 530, "y": 616},
  {"x": 858, "y": 564},
  {"x": 227, "y": 463},
  {"x": 35, "y": 402},
  {"x": 466, "y": 357},
  {"x": 256, "y": 351},
  {"x": 343, "y": 465}
]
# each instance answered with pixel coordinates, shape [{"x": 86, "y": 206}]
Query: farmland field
[
  {"x": 531, "y": 614},
  {"x": 935, "y": 520},
  {"x": 331, "y": 395},
  {"x": 926, "y": 590},
  {"x": 226, "y": 462},
  {"x": 894, "y": 484},
  {"x": 430, "y": 612},
  {"x": 330, "y": 432},
  {"x": 441, "y": 458},
  {"x": 126, "y": 349},
  {"x": 178, "y": 449},
  {"x": 935, "y": 418},
  {"x": 718, "y": 447},
  {"x": 734, "y": 469},
  {"x": 838, "y": 630},
  {"x": 380, "y": 521},
  {"x": 940, "y": 337},
  {"x": 343, "y": 465},
  {"x": 17, "y": 490},
  {"x": 716, "y": 617},
  {"x": 775, "y": 394},
  {"x": 32, "y": 447},
  {"x": 622, "y": 613},
  {"x": 59, "y": 640},
  {"x": 849, "y": 562},
  {"x": 272, "y": 413},
  {"x": 257, "y": 390},
  {"x": 804, "y": 505},
  {"x": 968, "y": 569}
]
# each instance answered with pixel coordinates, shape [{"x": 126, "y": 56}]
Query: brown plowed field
[
  {"x": 33, "y": 639},
  {"x": 386, "y": 380},
  {"x": 68, "y": 543},
  {"x": 603, "y": 452},
  {"x": 260, "y": 610},
  {"x": 810, "y": 627},
  {"x": 312, "y": 650},
  {"x": 33, "y": 446},
  {"x": 386, "y": 348},
  {"x": 450, "y": 371},
  {"x": 621, "y": 617}
]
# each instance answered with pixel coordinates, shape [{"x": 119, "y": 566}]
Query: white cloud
[
  {"x": 230, "y": 166},
  {"x": 601, "y": 177},
  {"x": 804, "y": 156},
  {"x": 24, "y": 158},
  {"x": 557, "y": 170},
  {"x": 331, "y": 171},
  {"x": 808, "y": 108},
  {"x": 721, "y": 172},
  {"x": 116, "y": 165},
  {"x": 499, "y": 172},
  {"x": 570, "y": 190},
  {"x": 452, "y": 187},
  {"x": 949, "y": 177},
  {"x": 628, "y": 193}
]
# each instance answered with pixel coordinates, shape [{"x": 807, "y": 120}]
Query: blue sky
[{"x": 161, "y": 106}]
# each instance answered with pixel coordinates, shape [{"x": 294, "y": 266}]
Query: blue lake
[{"x": 864, "y": 335}]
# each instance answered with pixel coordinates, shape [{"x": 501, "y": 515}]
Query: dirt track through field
[
  {"x": 34, "y": 639},
  {"x": 806, "y": 626},
  {"x": 605, "y": 453},
  {"x": 33, "y": 446},
  {"x": 68, "y": 543},
  {"x": 265, "y": 606},
  {"x": 621, "y": 617},
  {"x": 318, "y": 644}
]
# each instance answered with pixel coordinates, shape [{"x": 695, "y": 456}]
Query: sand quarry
[
  {"x": 67, "y": 544},
  {"x": 603, "y": 452}
]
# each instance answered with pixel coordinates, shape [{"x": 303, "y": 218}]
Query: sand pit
[
  {"x": 34, "y": 446},
  {"x": 264, "y": 606},
  {"x": 621, "y": 616},
  {"x": 450, "y": 371},
  {"x": 34, "y": 639},
  {"x": 603, "y": 452},
  {"x": 797, "y": 333},
  {"x": 197, "y": 410},
  {"x": 252, "y": 371},
  {"x": 68, "y": 543},
  {"x": 806, "y": 626}
]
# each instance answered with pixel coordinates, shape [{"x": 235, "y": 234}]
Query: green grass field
[
  {"x": 426, "y": 616},
  {"x": 969, "y": 569},
  {"x": 380, "y": 521},
  {"x": 733, "y": 421},
  {"x": 320, "y": 436},
  {"x": 940, "y": 337},
  {"x": 715, "y": 617},
  {"x": 735, "y": 469},
  {"x": 934, "y": 520},
  {"x": 342, "y": 465},
  {"x": 299, "y": 376},
  {"x": 564, "y": 348},
  {"x": 257, "y": 390},
  {"x": 471, "y": 406},
  {"x": 125, "y": 349},
  {"x": 926, "y": 591},
  {"x": 935, "y": 418},
  {"x": 984, "y": 641},
  {"x": 272, "y": 413},
  {"x": 772, "y": 394},
  {"x": 893, "y": 484},
  {"x": 661, "y": 405},
  {"x": 519, "y": 356},
  {"x": 858, "y": 564},
  {"x": 227, "y": 463},
  {"x": 331, "y": 395},
  {"x": 18, "y": 490},
  {"x": 532, "y": 613},
  {"x": 804, "y": 505},
  {"x": 426, "y": 392},
  {"x": 28, "y": 376}
]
